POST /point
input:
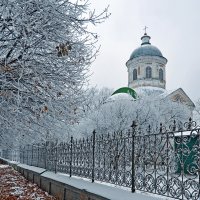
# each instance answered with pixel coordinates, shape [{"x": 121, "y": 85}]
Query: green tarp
[{"x": 126, "y": 90}]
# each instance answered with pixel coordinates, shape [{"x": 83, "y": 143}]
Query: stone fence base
[{"x": 58, "y": 189}]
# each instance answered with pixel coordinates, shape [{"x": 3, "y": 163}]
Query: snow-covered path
[{"x": 14, "y": 186}]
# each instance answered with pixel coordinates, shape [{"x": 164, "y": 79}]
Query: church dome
[
  {"x": 146, "y": 67},
  {"x": 146, "y": 49}
]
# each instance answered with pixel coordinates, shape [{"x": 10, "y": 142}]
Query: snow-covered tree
[
  {"x": 95, "y": 98},
  {"x": 45, "y": 53},
  {"x": 119, "y": 111}
]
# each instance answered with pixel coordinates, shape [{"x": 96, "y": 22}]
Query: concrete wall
[{"x": 60, "y": 190}]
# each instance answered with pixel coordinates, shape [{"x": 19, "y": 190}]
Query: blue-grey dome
[{"x": 146, "y": 50}]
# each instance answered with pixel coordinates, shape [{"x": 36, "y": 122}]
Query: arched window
[
  {"x": 135, "y": 74},
  {"x": 148, "y": 72},
  {"x": 161, "y": 74}
]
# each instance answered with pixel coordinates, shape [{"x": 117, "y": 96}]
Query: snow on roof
[
  {"x": 148, "y": 90},
  {"x": 141, "y": 91},
  {"x": 120, "y": 96}
]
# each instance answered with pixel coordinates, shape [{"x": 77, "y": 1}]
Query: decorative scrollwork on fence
[{"x": 165, "y": 161}]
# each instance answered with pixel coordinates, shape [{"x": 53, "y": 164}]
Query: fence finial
[
  {"x": 134, "y": 124},
  {"x": 190, "y": 123},
  {"x": 161, "y": 128},
  {"x": 174, "y": 125}
]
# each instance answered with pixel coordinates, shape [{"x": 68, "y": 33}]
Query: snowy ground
[{"x": 13, "y": 186}]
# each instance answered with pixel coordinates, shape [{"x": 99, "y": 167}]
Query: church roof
[
  {"x": 146, "y": 49},
  {"x": 180, "y": 96},
  {"x": 149, "y": 90}
]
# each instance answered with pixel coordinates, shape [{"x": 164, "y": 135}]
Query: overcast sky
[{"x": 174, "y": 27}]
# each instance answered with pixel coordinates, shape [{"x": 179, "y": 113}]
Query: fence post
[
  {"x": 32, "y": 155},
  {"x": 70, "y": 167},
  {"x": 38, "y": 154},
  {"x": 20, "y": 154},
  {"x": 93, "y": 158},
  {"x": 27, "y": 151},
  {"x": 56, "y": 157},
  {"x": 45, "y": 155},
  {"x": 133, "y": 126},
  {"x": 23, "y": 154}
]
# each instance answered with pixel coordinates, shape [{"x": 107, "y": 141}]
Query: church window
[
  {"x": 135, "y": 74},
  {"x": 138, "y": 70},
  {"x": 161, "y": 74},
  {"x": 148, "y": 72}
]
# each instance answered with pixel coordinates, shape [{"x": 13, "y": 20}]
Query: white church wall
[{"x": 152, "y": 61}]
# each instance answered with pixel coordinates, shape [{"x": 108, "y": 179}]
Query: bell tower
[{"x": 146, "y": 66}]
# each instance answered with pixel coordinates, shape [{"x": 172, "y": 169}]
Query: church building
[{"x": 147, "y": 72}]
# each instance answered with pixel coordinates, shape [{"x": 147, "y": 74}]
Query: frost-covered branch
[{"x": 45, "y": 53}]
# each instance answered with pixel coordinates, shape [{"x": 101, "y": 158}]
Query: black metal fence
[
  {"x": 164, "y": 162},
  {"x": 10, "y": 154}
]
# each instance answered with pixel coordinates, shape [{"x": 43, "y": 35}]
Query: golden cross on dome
[{"x": 145, "y": 30}]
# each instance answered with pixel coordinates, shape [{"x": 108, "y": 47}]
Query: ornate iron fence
[
  {"x": 13, "y": 155},
  {"x": 169, "y": 165},
  {"x": 164, "y": 162}
]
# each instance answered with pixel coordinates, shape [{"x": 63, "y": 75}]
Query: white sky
[{"x": 174, "y": 27}]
